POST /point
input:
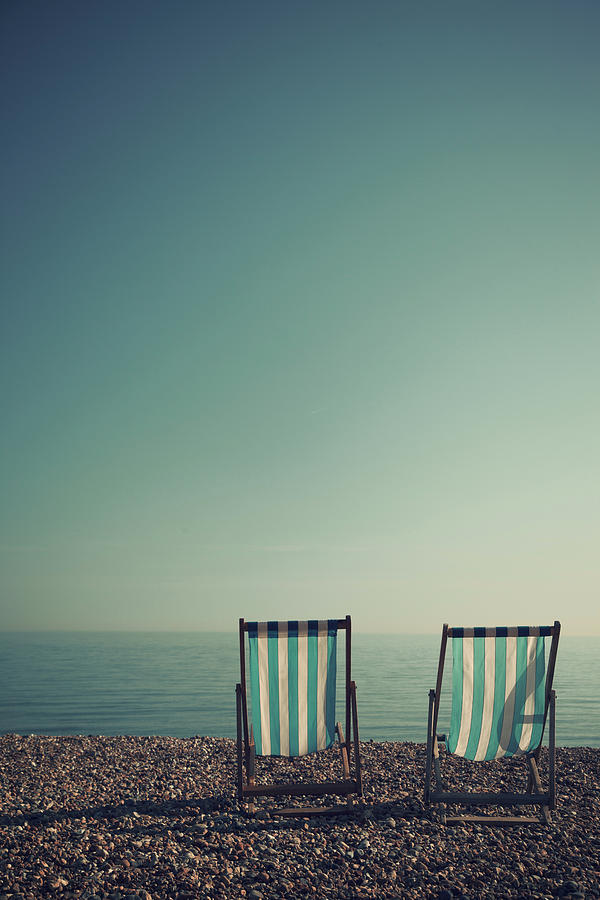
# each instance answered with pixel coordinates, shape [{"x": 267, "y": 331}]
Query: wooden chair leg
[
  {"x": 437, "y": 767},
  {"x": 240, "y": 779},
  {"x": 534, "y": 777},
  {"x": 552, "y": 752},
  {"x": 343, "y": 750},
  {"x": 357, "y": 768},
  {"x": 437, "y": 771},
  {"x": 345, "y": 762},
  {"x": 429, "y": 748},
  {"x": 251, "y": 766}
]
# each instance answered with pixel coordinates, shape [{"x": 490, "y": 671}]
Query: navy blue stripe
[
  {"x": 292, "y": 629},
  {"x": 252, "y": 629},
  {"x": 273, "y": 629},
  {"x": 313, "y": 628},
  {"x": 332, "y": 627}
]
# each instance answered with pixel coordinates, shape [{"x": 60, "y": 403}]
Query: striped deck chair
[
  {"x": 501, "y": 696},
  {"x": 292, "y": 682}
]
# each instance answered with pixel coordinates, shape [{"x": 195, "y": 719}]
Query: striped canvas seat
[
  {"x": 292, "y": 684},
  {"x": 498, "y": 691}
]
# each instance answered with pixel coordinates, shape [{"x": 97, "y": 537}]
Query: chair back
[
  {"x": 500, "y": 690},
  {"x": 292, "y": 685}
]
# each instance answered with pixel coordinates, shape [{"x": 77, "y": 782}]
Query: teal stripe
[
  {"x": 311, "y": 706},
  {"x": 457, "y": 688},
  {"x": 520, "y": 694},
  {"x": 293, "y": 686},
  {"x": 499, "y": 691},
  {"x": 255, "y": 691},
  {"x": 331, "y": 674},
  {"x": 478, "y": 694},
  {"x": 273, "y": 650},
  {"x": 540, "y": 695}
]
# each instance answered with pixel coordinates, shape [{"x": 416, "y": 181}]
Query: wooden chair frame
[
  {"x": 350, "y": 785},
  {"x": 534, "y": 795}
]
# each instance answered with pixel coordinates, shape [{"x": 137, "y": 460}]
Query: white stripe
[
  {"x": 284, "y": 701},
  {"x": 263, "y": 680},
  {"x": 467, "y": 697},
  {"x": 509, "y": 695},
  {"x": 488, "y": 697},
  {"x": 529, "y": 696},
  {"x": 322, "y": 684},
  {"x": 302, "y": 688}
]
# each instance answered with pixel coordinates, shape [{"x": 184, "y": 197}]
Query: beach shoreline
[{"x": 157, "y": 817}]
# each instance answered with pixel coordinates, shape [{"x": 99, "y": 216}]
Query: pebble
[{"x": 156, "y": 818}]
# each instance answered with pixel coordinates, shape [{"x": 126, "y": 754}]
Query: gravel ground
[{"x": 156, "y": 817}]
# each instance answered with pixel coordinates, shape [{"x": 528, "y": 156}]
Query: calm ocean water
[{"x": 184, "y": 684}]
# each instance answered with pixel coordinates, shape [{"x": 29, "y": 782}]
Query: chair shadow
[
  {"x": 516, "y": 700},
  {"x": 409, "y": 809},
  {"x": 119, "y": 810}
]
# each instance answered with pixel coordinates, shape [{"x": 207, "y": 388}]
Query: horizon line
[{"x": 233, "y": 631}]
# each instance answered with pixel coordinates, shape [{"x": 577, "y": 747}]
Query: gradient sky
[{"x": 300, "y": 314}]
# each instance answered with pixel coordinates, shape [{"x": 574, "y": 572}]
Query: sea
[{"x": 183, "y": 684}]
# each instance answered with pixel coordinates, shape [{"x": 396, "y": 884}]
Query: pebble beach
[{"x": 144, "y": 818}]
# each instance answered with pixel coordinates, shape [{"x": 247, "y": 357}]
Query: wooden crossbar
[
  {"x": 500, "y": 799},
  {"x": 492, "y": 820}
]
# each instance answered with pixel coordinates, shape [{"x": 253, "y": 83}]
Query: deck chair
[
  {"x": 292, "y": 687},
  {"x": 501, "y": 696}
]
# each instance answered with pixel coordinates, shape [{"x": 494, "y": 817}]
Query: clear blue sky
[{"x": 300, "y": 314}]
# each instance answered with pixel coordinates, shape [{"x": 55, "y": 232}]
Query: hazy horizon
[
  {"x": 300, "y": 315},
  {"x": 233, "y": 631}
]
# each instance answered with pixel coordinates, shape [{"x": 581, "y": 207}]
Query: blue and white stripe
[
  {"x": 498, "y": 691},
  {"x": 292, "y": 686}
]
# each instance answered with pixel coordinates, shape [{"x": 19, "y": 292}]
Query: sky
[{"x": 300, "y": 314}]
